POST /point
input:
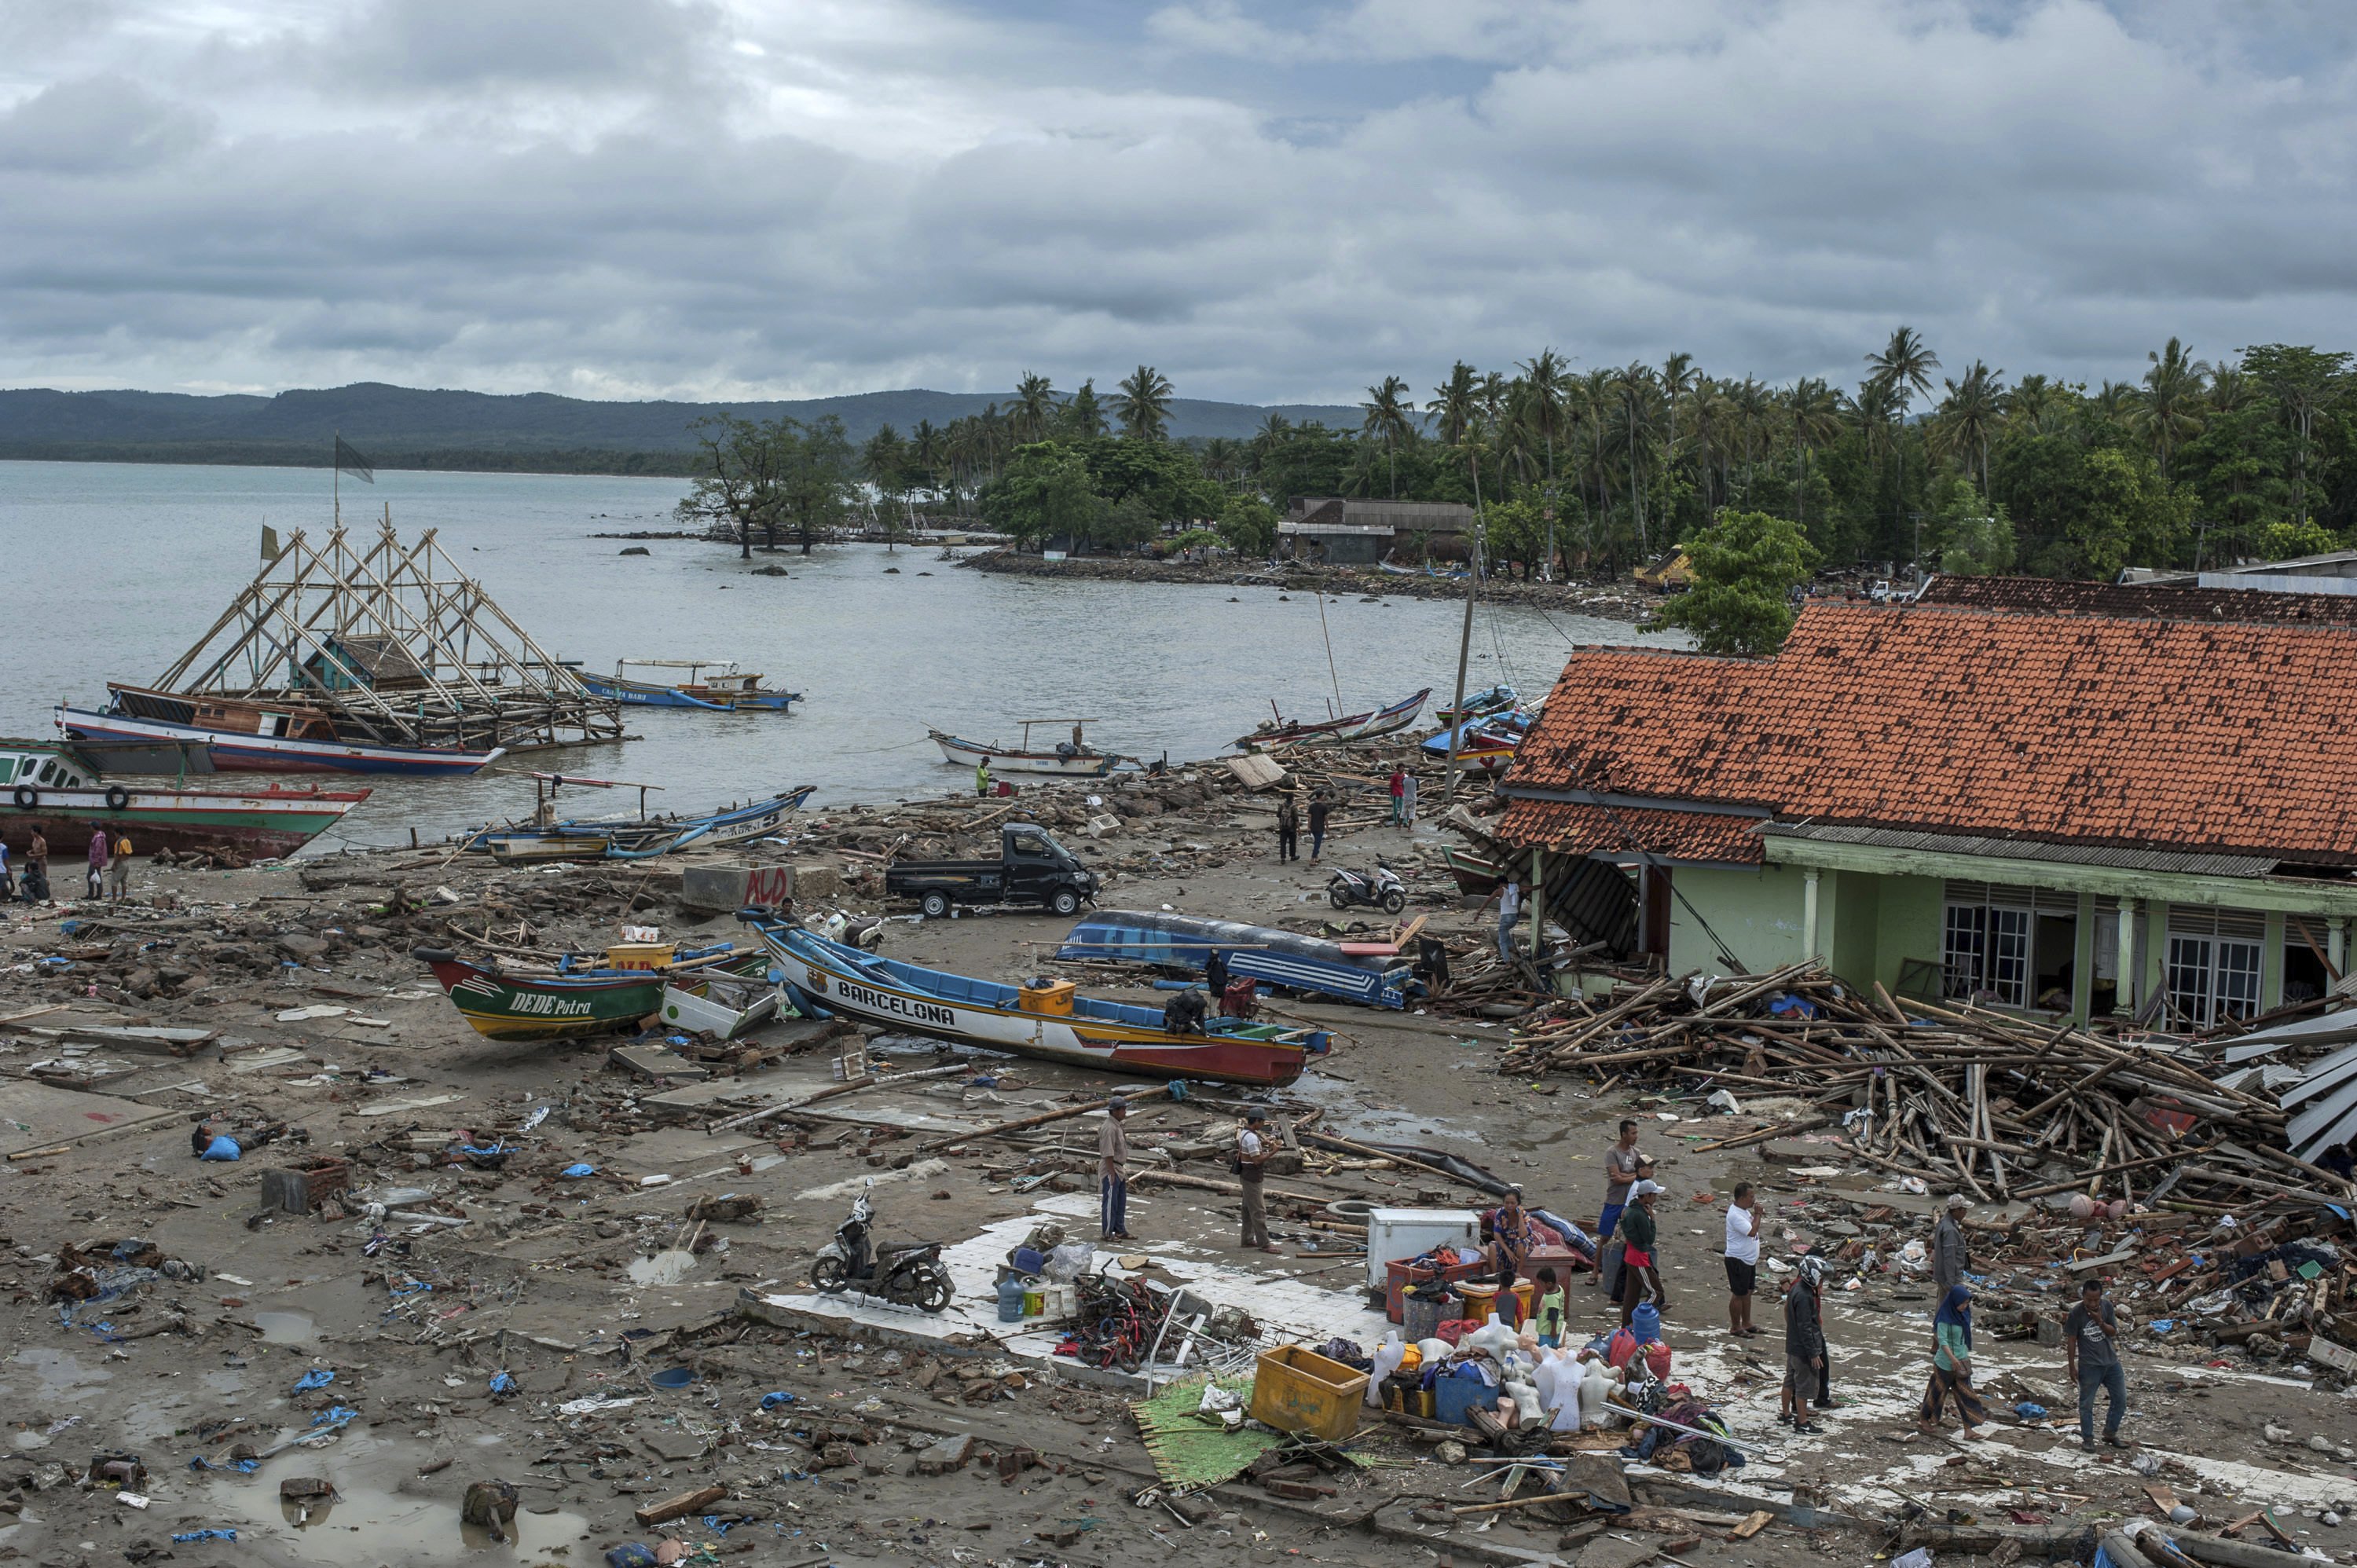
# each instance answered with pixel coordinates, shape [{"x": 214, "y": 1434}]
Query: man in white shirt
[
  {"x": 1742, "y": 1258},
  {"x": 1252, "y": 1162},
  {"x": 1510, "y": 906},
  {"x": 1112, "y": 1172}
]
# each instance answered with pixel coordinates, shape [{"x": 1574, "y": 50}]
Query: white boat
[
  {"x": 723, "y": 1006},
  {"x": 1072, "y": 759}
]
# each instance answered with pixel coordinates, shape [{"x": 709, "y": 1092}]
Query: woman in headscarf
[
  {"x": 1952, "y": 1367},
  {"x": 1804, "y": 1343}
]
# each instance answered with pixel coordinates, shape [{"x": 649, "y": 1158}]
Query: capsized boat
[
  {"x": 56, "y": 787},
  {"x": 1047, "y": 1021},
  {"x": 726, "y": 689},
  {"x": 519, "y": 1004},
  {"x": 1263, "y": 953},
  {"x": 1282, "y": 731},
  {"x": 259, "y": 736},
  {"x": 1074, "y": 759}
]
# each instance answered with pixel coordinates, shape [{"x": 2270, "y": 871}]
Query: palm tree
[
  {"x": 1969, "y": 414},
  {"x": 2232, "y": 389},
  {"x": 1083, "y": 417},
  {"x": 1678, "y": 379},
  {"x": 1875, "y": 413},
  {"x": 1143, "y": 405},
  {"x": 1388, "y": 408},
  {"x": 1633, "y": 396},
  {"x": 1815, "y": 411},
  {"x": 2037, "y": 405},
  {"x": 1223, "y": 458},
  {"x": 1904, "y": 371},
  {"x": 2113, "y": 401},
  {"x": 2170, "y": 408},
  {"x": 1544, "y": 375},
  {"x": 929, "y": 450},
  {"x": 1457, "y": 402},
  {"x": 1035, "y": 408}
]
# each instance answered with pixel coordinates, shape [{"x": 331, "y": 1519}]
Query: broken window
[{"x": 2013, "y": 946}]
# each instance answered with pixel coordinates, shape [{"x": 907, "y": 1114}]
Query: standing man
[
  {"x": 1510, "y": 907},
  {"x": 1252, "y": 1161},
  {"x": 1742, "y": 1258},
  {"x": 8, "y": 878},
  {"x": 1112, "y": 1172},
  {"x": 118, "y": 869},
  {"x": 2091, "y": 1349},
  {"x": 101, "y": 852},
  {"x": 1408, "y": 800},
  {"x": 1623, "y": 1166},
  {"x": 1288, "y": 829},
  {"x": 982, "y": 777},
  {"x": 36, "y": 869},
  {"x": 1319, "y": 806},
  {"x": 1399, "y": 795},
  {"x": 1805, "y": 1341},
  {"x": 1948, "y": 1257},
  {"x": 1641, "y": 1270}
]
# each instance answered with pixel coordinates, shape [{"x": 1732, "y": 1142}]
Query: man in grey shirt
[
  {"x": 2091, "y": 1353},
  {"x": 1948, "y": 1259}
]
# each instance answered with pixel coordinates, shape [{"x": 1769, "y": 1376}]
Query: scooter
[
  {"x": 909, "y": 1274},
  {"x": 1380, "y": 888}
]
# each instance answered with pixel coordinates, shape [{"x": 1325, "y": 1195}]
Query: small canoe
[{"x": 506, "y": 1005}]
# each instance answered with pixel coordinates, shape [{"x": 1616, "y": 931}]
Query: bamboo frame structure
[{"x": 396, "y": 645}]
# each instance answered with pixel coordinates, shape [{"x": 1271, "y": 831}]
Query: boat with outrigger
[
  {"x": 724, "y": 691},
  {"x": 1043, "y": 1019},
  {"x": 1279, "y": 731},
  {"x": 546, "y": 837},
  {"x": 1074, "y": 758}
]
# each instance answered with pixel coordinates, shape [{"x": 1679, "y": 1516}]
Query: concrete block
[{"x": 721, "y": 889}]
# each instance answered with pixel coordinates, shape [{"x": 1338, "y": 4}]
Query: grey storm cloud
[{"x": 1272, "y": 201}]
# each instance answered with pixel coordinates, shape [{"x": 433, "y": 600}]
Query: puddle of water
[
  {"x": 59, "y": 1372},
  {"x": 287, "y": 1327},
  {"x": 365, "y": 1525},
  {"x": 667, "y": 1267}
]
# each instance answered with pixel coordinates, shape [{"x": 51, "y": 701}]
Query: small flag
[
  {"x": 269, "y": 545},
  {"x": 352, "y": 463}
]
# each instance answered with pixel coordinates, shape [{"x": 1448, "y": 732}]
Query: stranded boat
[
  {"x": 725, "y": 691},
  {"x": 259, "y": 736},
  {"x": 1263, "y": 953},
  {"x": 59, "y": 788},
  {"x": 1047, "y": 1021},
  {"x": 509, "y": 1004},
  {"x": 1074, "y": 759},
  {"x": 544, "y": 837},
  {"x": 1282, "y": 731}
]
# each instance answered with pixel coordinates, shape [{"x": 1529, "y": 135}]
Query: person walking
[
  {"x": 1408, "y": 800},
  {"x": 1510, "y": 907},
  {"x": 982, "y": 777},
  {"x": 1640, "y": 1266},
  {"x": 101, "y": 852},
  {"x": 1320, "y": 808},
  {"x": 1952, "y": 1367},
  {"x": 118, "y": 869},
  {"x": 1949, "y": 1255},
  {"x": 1623, "y": 1164},
  {"x": 1252, "y": 1163},
  {"x": 1742, "y": 1259},
  {"x": 2092, "y": 1353},
  {"x": 1288, "y": 829},
  {"x": 1399, "y": 795},
  {"x": 1112, "y": 1172},
  {"x": 1804, "y": 1341},
  {"x": 36, "y": 869}
]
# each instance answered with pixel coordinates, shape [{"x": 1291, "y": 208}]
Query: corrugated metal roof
[{"x": 2161, "y": 860}]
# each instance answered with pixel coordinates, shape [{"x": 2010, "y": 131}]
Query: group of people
[
  {"x": 110, "y": 868},
  {"x": 1289, "y": 812},
  {"x": 1247, "y": 1161}
]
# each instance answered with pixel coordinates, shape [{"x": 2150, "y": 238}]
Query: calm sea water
[{"x": 116, "y": 568}]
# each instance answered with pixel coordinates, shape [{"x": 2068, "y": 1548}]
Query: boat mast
[{"x": 1464, "y": 646}]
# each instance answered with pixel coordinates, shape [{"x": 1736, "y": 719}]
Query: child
[{"x": 1548, "y": 1315}]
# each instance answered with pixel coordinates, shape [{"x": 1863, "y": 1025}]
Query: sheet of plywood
[{"x": 41, "y": 1116}]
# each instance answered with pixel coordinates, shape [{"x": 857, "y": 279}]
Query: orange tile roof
[
  {"x": 2077, "y": 729},
  {"x": 1571, "y": 827}
]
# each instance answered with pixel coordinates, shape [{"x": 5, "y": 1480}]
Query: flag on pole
[
  {"x": 269, "y": 545},
  {"x": 350, "y": 462}
]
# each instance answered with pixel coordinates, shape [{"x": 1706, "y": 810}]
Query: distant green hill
[{"x": 410, "y": 428}]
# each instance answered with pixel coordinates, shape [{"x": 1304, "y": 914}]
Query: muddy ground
[{"x": 554, "y": 1281}]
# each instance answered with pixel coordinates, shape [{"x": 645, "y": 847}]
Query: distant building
[
  {"x": 2062, "y": 799},
  {"x": 2332, "y": 572},
  {"x": 1347, "y": 531}
]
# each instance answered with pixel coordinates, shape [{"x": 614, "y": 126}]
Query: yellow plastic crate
[{"x": 1296, "y": 1389}]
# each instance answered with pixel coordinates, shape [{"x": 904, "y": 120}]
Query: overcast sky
[{"x": 1270, "y": 201}]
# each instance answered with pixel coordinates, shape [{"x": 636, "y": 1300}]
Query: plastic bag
[
  {"x": 222, "y": 1147},
  {"x": 1070, "y": 1261}
]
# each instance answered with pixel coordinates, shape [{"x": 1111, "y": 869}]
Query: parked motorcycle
[
  {"x": 908, "y": 1274},
  {"x": 1380, "y": 888}
]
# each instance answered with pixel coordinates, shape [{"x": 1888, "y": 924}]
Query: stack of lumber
[{"x": 1959, "y": 1097}]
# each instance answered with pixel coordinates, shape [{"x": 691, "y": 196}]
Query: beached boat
[
  {"x": 724, "y": 689},
  {"x": 56, "y": 787},
  {"x": 259, "y": 736},
  {"x": 1476, "y": 874},
  {"x": 509, "y": 1004},
  {"x": 544, "y": 837},
  {"x": 720, "y": 1005},
  {"x": 1282, "y": 732},
  {"x": 1263, "y": 953},
  {"x": 1072, "y": 758},
  {"x": 1047, "y": 1021},
  {"x": 1481, "y": 705}
]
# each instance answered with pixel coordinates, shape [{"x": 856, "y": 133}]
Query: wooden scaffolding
[{"x": 396, "y": 645}]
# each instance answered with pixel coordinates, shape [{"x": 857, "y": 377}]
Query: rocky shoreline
[{"x": 1623, "y": 601}]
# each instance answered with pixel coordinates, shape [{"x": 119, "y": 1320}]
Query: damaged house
[{"x": 2066, "y": 800}]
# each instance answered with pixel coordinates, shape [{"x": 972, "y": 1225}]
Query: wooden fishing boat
[
  {"x": 726, "y": 689},
  {"x": 55, "y": 788},
  {"x": 1048, "y": 1021},
  {"x": 720, "y": 1005},
  {"x": 1475, "y": 872},
  {"x": 544, "y": 837},
  {"x": 1283, "y": 732},
  {"x": 259, "y": 736},
  {"x": 1280, "y": 957},
  {"x": 509, "y": 1004},
  {"x": 1481, "y": 705},
  {"x": 1071, "y": 759}
]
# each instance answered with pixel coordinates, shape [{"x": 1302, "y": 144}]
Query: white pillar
[
  {"x": 2124, "y": 997},
  {"x": 1809, "y": 913}
]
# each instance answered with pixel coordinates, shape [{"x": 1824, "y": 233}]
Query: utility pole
[
  {"x": 1457, "y": 724},
  {"x": 1549, "y": 493}
]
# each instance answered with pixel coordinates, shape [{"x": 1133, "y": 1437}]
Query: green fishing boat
[{"x": 504, "y": 1005}]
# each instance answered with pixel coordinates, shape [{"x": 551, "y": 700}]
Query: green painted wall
[
  {"x": 1756, "y": 913},
  {"x": 1910, "y": 912},
  {"x": 1849, "y": 927}
]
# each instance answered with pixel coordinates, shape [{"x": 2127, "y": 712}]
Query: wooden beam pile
[{"x": 1961, "y": 1098}]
